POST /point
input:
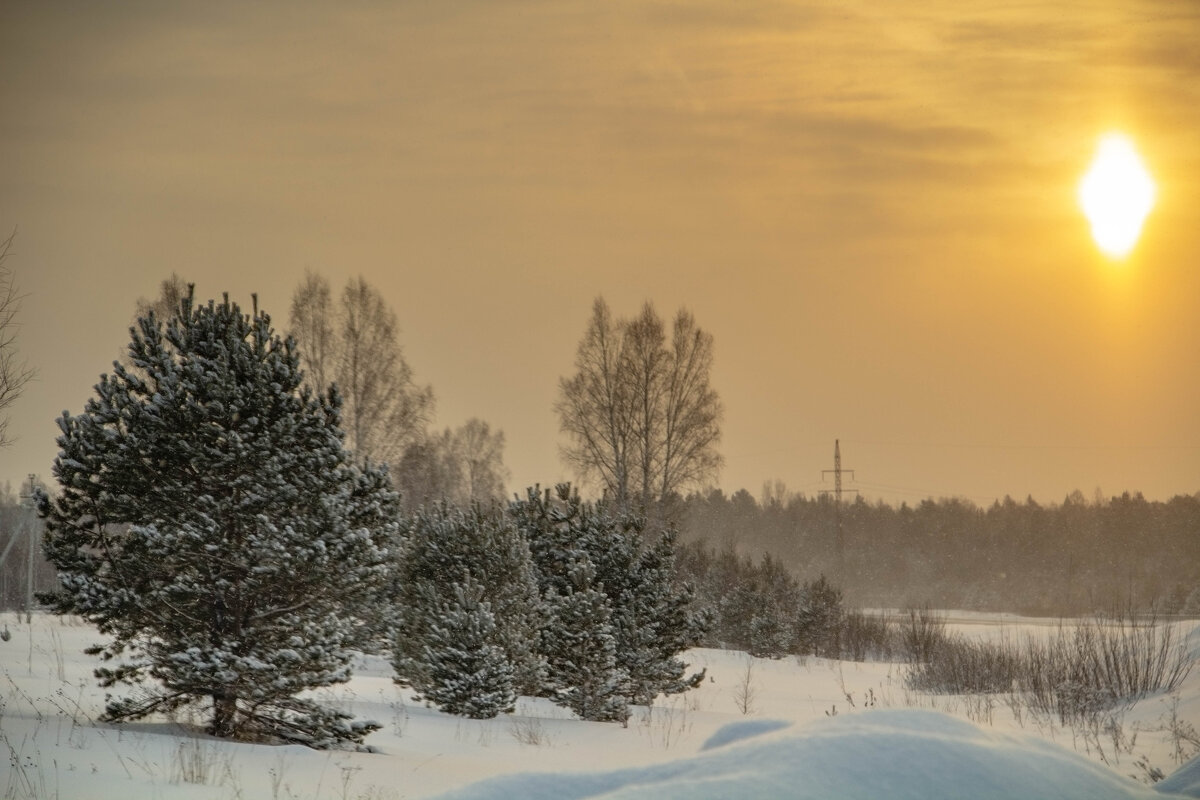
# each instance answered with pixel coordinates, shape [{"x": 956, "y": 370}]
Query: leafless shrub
[
  {"x": 956, "y": 665},
  {"x": 1076, "y": 674},
  {"x": 528, "y": 730},
  {"x": 744, "y": 691},
  {"x": 922, "y": 633},
  {"x": 668, "y": 723},
  {"x": 863, "y": 637},
  {"x": 1185, "y": 741}
]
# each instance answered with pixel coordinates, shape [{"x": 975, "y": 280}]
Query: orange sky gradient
[{"x": 872, "y": 208}]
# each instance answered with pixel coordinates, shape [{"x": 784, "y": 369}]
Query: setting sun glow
[{"x": 1116, "y": 194}]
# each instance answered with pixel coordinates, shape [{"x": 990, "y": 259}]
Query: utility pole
[
  {"x": 31, "y": 528},
  {"x": 839, "y": 543}
]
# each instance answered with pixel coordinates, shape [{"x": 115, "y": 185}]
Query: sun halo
[{"x": 1116, "y": 195}]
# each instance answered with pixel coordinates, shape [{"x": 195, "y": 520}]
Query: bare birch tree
[
  {"x": 645, "y": 369},
  {"x": 356, "y": 346},
  {"x": 312, "y": 322},
  {"x": 171, "y": 292},
  {"x": 481, "y": 451},
  {"x": 385, "y": 410},
  {"x": 14, "y": 374},
  {"x": 461, "y": 466},
  {"x": 691, "y": 424},
  {"x": 640, "y": 415},
  {"x": 594, "y": 409},
  {"x": 427, "y": 472}
]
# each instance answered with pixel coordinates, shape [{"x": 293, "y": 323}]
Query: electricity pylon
[{"x": 839, "y": 543}]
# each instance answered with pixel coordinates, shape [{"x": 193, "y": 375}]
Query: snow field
[{"x": 837, "y": 740}]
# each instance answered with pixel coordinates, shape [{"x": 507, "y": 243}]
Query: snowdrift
[
  {"x": 900, "y": 754},
  {"x": 815, "y": 728}
]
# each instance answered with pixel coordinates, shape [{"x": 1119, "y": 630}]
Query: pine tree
[
  {"x": 468, "y": 674},
  {"x": 753, "y": 606},
  {"x": 552, "y": 525},
  {"x": 444, "y": 550},
  {"x": 577, "y": 637},
  {"x": 579, "y": 547},
  {"x": 773, "y": 624},
  {"x": 820, "y": 618},
  {"x": 663, "y": 623},
  {"x": 770, "y": 635},
  {"x": 581, "y": 653},
  {"x": 211, "y": 525},
  {"x": 375, "y": 506},
  {"x": 651, "y": 613}
]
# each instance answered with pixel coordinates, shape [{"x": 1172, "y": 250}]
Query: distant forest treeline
[
  {"x": 1075, "y": 557},
  {"x": 1068, "y": 558}
]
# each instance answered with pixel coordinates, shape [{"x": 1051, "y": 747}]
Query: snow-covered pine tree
[
  {"x": 445, "y": 548},
  {"x": 663, "y": 622},
  {"x": 577, "y": 637},
  {"x": 552, "y": 524},
  {"x": 770, "y": 633},
  {"x": 819, "y": 618},
  {"x": 776, "y": 598},
  {"x": 753, "y": 607},
  {"x": 649, "y": 614},
  {"x": 468, "y": 674},
  {"x": 211, "y": 525},
  {"x": 375, "y": 506},
  {"x": 581, "y": 652},
  {"x": 652, "y": 617}
]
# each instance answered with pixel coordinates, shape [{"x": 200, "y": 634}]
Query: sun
[{"x": 1116, "y": 194}]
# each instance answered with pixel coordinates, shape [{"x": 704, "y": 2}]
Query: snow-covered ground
[{"x": 792, "y": 728}]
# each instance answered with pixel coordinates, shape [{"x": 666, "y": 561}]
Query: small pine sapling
[{"x": 469, "y": 674}]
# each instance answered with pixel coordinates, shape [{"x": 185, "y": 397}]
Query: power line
[
  {"x": 795, "y": 448},
  {"x": 1027, "y": 445}
]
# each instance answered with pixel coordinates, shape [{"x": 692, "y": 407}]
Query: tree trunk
[{"x": 224, "y": 719}]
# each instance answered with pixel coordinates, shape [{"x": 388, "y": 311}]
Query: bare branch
[{"x": 14, "y": 373}]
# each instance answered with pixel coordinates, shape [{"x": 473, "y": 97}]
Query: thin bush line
[{"x": 1099, "y": 664}]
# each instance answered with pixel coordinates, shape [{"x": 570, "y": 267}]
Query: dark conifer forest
[{"x": 1078, "y": 556}]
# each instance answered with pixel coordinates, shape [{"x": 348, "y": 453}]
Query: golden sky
[{"x": 871, "y": 206}]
